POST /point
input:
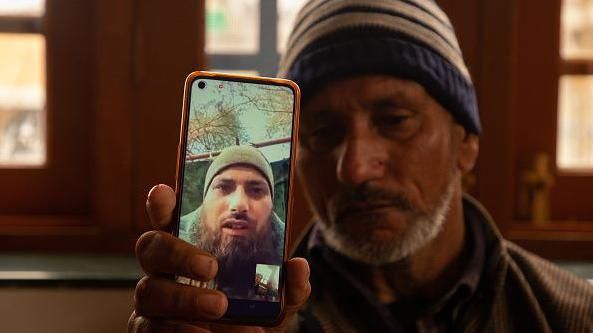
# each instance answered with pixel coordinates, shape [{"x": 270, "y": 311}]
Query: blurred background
[{"x": 90, "y": 105}]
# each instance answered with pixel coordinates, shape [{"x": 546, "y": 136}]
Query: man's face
[
  {"x": 379, "y": 159},
  {"x": 237, "y": 208}
]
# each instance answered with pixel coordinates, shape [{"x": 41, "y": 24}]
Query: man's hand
[{"x": 163, "y": 305}]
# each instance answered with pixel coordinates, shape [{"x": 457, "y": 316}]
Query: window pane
[
  {"x": 22, "y": 7},
  {"x": 232, "y": 26},
  {"x": 577, "y": 29},
  {"x": 22, "y": 99},
  {"x": 575, "y": 122},
  {"x": 287, "y": 12}
]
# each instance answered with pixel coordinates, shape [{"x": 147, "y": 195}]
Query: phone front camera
[{"x": 201, "y": 84}]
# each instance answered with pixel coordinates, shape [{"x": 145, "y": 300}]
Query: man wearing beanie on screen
[
  {"x": 389, "y": 126},
  {"x": 236, "y": 221}
]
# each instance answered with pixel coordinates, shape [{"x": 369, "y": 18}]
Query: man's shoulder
[
  {"x": 557, "y": 292},
  {"x": 187, "y": 222},
  {"x": 562, "y": 296},
  {"x": 546, "y": 273}
]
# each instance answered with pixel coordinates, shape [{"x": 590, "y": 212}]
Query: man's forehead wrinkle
[
  {"x": 385, "y": 98},
  {"x": 362, "y": 92},
  {"x": 255, "y": 182},
  {"x": 334, "y": 103},
  {"x": 241, "y": 177},
  {"x": 226, "y": 180}
]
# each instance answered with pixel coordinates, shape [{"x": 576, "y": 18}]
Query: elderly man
[
  {"x": 236, "y": 220},
  {"x": 388, "y": 128}
]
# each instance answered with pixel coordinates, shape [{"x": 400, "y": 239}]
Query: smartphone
[{"x": 235, "y": 172}]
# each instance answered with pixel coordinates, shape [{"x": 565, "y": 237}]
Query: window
[
  {"x": 575, "y": 116},
  {"x": 44, "y": 152},
  {"x": 248, "y": 36},
  {"x": 534, "y": 89},
  {"x": 22, "y": 83},
  {"x": 110, "y": 86}
]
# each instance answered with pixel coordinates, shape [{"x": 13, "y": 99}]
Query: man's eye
[
  {"x": 225, "y": 188},
  {"x": 323, "y": 138},
  {"x": 400, "y": 125},
  {"x": 321, "y": 132},
  {"x": 257, "y": 192},
  {"x": 393, "y": 119}
]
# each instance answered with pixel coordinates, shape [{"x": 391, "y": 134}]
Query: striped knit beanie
[
  {"x": 244, "y": 155},
  {"x": 410, "y": 39}
]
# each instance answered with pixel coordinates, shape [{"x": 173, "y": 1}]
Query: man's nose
[
  {"x": 238, "y": 201},
  {"x": 363, "y": 156}
]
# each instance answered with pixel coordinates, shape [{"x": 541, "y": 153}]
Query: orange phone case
[{"x": 294, "y": 140}]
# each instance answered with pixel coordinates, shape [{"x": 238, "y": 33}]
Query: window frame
[
  {"x": 266, "y": 60},
  {"x": 520, "y": 74},
  {"x": 114, "y": 79}
]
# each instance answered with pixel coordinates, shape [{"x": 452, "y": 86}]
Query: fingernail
[
  {"x": 150, "y": 195},
  {"x": 203, "y": 266},
  {"x": 211, "y": 304}
]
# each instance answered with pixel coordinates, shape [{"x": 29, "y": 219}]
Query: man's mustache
[
  {"x": 358, "y": 199},
  {"x": 241, "y": 216}
]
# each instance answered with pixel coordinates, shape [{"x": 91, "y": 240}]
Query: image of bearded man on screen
[{"x": 236, "y": 221}]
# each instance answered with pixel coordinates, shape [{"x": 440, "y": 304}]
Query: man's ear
[{"x": 468, "y": 152}]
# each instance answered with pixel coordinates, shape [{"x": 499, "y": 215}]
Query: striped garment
[
  {"x": 411, "y": 39},
  {"x": 518, "y": 292},
  {"x": 422, "y": 19}
]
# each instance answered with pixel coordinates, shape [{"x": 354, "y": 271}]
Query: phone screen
[{"x": 235, "y": 182}]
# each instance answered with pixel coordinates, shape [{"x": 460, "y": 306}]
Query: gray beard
[{"x": 422, "y": 229}]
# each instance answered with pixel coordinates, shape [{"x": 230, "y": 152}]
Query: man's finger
[
  {"x": 139, "y": 324},
  {"x": 163, "y": 298},
  {"x": 297, "y": 290},
  {"x": 160, "y": 253},
  {"x": 298, "y": 287},
  {"x": 160, "y": 205}
]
